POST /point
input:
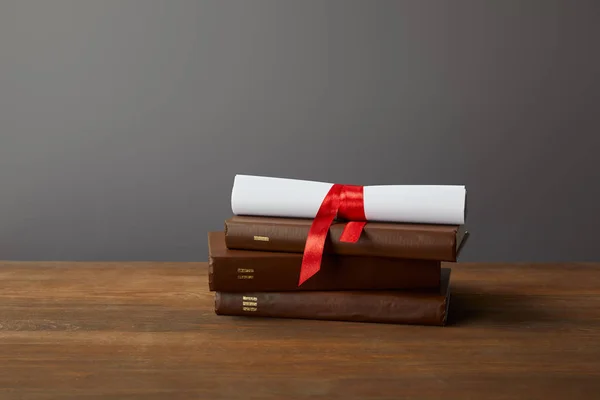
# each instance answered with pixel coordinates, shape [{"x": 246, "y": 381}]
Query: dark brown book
[
  {"x": 411, "y": 241},
  {"x": 262, "y": 271},
  {"x": 393, "y": 307}
]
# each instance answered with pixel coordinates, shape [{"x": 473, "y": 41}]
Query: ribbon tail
[
  {"x": 315, "y": 242},
  {"x": 352, "y": 231}
]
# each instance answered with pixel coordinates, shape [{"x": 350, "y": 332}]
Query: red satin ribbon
[{"x": 345, "y": 202}]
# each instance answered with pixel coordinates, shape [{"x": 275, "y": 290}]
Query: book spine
[
  {"x": 281, "y": 274},
  {"x": 263, "y": 235},
  {"x": 377, "y": 307}
]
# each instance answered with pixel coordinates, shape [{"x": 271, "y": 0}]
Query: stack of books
[{"x": 396, "y": 272}]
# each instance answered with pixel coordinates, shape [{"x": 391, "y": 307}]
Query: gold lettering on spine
[
  {"x": 245, "y": 273},
  {"x": 249, "y": 303},
  {"x": 261, "y": 238}
]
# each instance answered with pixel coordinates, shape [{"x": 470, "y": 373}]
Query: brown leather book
[
  {"x": 393, "y": 307},
  {"x": 262, "y": 271},
  {"x": 412, "y": 241}
]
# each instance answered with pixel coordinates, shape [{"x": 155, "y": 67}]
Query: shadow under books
[{"x": 468, "y": 306}]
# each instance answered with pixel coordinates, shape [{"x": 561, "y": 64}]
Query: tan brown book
[
  {"x": 410, "y": 241},
  {"x": 393, "y": 307},
  {"x": 262, "y": 271}
]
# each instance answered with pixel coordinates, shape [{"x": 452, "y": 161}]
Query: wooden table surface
[{"x": 148, "y": 331}]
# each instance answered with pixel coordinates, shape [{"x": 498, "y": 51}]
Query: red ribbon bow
[{"x": 343, "y": 201}]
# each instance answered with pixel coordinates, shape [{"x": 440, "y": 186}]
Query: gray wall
[{"x": 122, "y": 123}]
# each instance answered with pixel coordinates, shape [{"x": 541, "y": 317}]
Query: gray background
[{"x": 123, "y": 123}]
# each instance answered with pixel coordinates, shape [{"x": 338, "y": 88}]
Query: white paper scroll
[{"x": 293, "y": 198}]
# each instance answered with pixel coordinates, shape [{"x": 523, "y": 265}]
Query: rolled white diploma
[{"x": 294, "y": 198}]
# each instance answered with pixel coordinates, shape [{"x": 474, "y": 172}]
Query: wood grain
[{"x": 148, "y": 331}]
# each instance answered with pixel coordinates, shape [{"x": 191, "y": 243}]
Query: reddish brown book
[
  {"x": 393, "y": 307},
  {"x": 411, "y": 241},
  {"x": 262, "y": 271}
]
